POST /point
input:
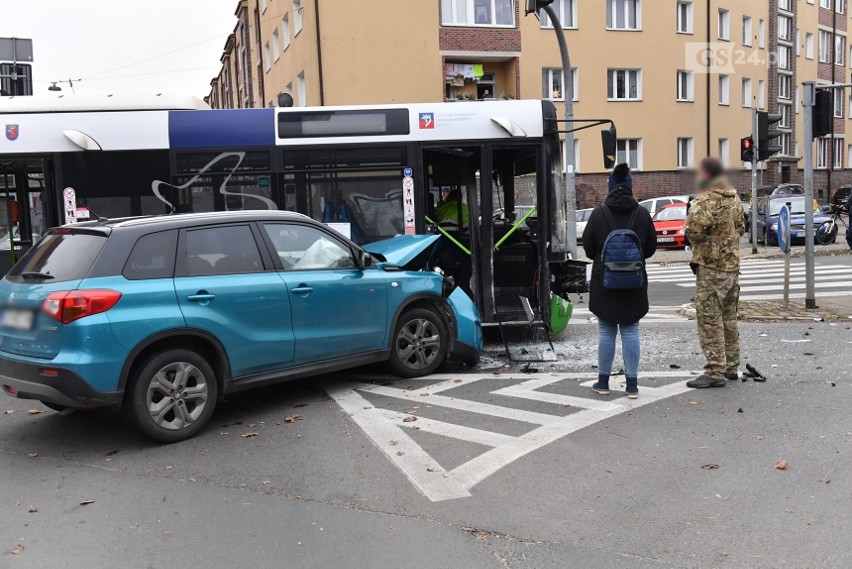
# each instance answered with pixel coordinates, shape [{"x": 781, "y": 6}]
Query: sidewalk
[
  {"x": 834, "y": 309},
  {"x": 667, "y": 257}
]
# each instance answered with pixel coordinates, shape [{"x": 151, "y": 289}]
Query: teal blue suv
[{"x": 164, "y": 315}]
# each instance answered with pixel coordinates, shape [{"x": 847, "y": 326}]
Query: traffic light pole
[
  {"x": 808, "y": 104},
  {"x": 570, "y": 167},
  {"x": 753, "y": 215}
]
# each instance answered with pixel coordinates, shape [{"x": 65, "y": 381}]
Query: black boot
[
  {"x": 732, "y": 376},
  {"x": 703, "y": 381}
]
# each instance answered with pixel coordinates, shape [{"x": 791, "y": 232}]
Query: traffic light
[
  {"x": 609, "y": 139},
  {"x": 823, "y": 112},
  {"x": 766, "y": 135},
  {"x": 747, "y": 149},
  {"x": 533, "y": 6}
]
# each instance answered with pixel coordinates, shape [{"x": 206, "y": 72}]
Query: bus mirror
[
  {"x": 14, "y": 212},
  {"x": 609, "y": 138}
]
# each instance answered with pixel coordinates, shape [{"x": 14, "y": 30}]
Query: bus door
[
  {"x": 452, "y": 176},
  {"x": 23, "y": 197}
]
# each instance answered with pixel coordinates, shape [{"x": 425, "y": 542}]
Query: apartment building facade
[{"x": 678, "y": 77}]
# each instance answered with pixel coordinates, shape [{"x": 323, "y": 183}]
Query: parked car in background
[
  {"x": 161, "y": 315},
  {"x": 788, "y": 190},
  {"x": 582, "y": 219},
  {"x": 841, "y": 195},
  {"x": 767, "y": 219},
  {"x": 669, "y": 223},
  {"x": 653, "y": 205}
]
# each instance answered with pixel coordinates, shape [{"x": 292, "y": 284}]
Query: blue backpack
[{"x": 621, "y": 256}]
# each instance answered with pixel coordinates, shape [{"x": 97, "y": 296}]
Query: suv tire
[
  {"x": 171, "y": 395},
  {"x": 419, "y": 343}
]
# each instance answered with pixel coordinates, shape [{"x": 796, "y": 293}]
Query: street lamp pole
[{"x": 568, "y": 95}]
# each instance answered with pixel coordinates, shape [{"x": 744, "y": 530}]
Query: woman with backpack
[{"x": 618, "y": 238}]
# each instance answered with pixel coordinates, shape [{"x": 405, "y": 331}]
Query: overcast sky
[{"x": 121, "y": 46}]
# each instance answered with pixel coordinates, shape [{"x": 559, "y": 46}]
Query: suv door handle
[
  {"x": 302, "y": 289},
  {"x": 201, "y": 296}
]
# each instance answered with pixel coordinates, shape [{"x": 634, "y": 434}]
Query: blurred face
[{"x": 702, "y": 177}]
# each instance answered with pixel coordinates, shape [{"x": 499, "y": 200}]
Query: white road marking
[{"x": 438, "y": 484}]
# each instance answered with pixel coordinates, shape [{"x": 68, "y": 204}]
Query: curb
[{"x": 687, "y": 310}]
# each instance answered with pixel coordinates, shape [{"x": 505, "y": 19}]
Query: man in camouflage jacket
[{"x": 714, "y": 226}]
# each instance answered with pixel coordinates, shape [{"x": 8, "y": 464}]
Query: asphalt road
[{"x": 499, "y": 469}]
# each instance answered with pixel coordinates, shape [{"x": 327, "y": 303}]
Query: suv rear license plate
[{"x": 17, "y": 318}]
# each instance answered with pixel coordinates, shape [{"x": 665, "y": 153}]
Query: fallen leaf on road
[
  {"x": 87, "y": 502},
  {"x": 457, "y": 381},
  {"x": 409, "y": 419},
  {"x": 8, "y": 411},
  {"x": 32, "y": 509},
  {"x": 431, "y": 469},
  {"x": 17, "y": 549},
  {"x": 393, "y": 443},
  {"x": 248, "y": 435},
  {"x": 782, "y": 465},
  {"x": 168, "y": 533},
  {"x": 32, "y": 454},
  {"x": 292, "y": 418},
  {"x": 34, "y": 411},
  {"x": 710, "y": 466},
  {"x": 693, "y": 402},
  {"x": 411, "y": 410},
  {"x": 399, "y": 453}
]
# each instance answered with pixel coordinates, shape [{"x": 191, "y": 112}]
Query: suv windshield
[{"x": 60, "y": 256}]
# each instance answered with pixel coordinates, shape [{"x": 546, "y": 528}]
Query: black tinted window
[
  {"x": 61, "y": 255},
  {"x": 153, "y": 257},
  {"x": 222, "y": 251}
]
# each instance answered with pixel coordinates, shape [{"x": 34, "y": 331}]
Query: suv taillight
[{"x": 70, "y": 305}]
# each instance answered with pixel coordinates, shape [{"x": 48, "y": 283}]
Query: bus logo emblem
[
  {"x": 12, "y": 131},
  {"x": 427, "y": 120}
]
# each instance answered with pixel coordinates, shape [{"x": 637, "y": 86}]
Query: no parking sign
[{"x": 784, "y": 228}]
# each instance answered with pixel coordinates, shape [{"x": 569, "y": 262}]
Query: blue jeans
[{"x": 629, "y": 347}]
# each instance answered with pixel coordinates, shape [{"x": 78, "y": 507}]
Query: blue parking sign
[
  {"x": 784, "y": 229},
  {"x": 407, "y": 172}
]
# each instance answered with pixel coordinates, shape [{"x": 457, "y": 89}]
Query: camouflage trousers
[{"x": 717, "y": 298}]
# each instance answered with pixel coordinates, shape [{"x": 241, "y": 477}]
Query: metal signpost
[
  {"x": 753, "y": 216},
  {"x": 784, "y": 244},
  {"x": 808, "y": 104}
]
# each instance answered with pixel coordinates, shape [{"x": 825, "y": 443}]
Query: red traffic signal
[{"x": 747, "y": 149}]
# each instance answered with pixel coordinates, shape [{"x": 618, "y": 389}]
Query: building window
[
  {"x": 809, "y": 45},
  {"x": 798, "y": 43},
  {"x": 785, "y": 28},
  {"x": 302, "y": 91},
  {"x": 838, "y": 102},
  {"x": 839, "y": 50},
  {"x": 747, "y": 94},
  {"x": 624, "y": 85},
  {"x": 685, "y": 23},
  {"x": 784, "y": 111},
  {"x": 840, "y": 6},
  {"x": 623, "y": 14},
  {"x": 685, "y": 152},
  {"x": 785, "y": 86},
  {"x": 784, "y": 143},
  {"x": 553, "y": 86},
  {"x": 276, "y": 45},
  {"x": 761, "y": 94},
  {"x": 567, "y": 12},
  {"x": 629, "y": 151},
  {"x": 478, "y": 13},
  {"x": 838, "y": 152},
  {"x": 825, "y": 4},
  {"x": 748, "y": 34},
  {"x": 285, "y": 30},
  {"x": 785, "y": 60},
  {"x": 267, "y": 57},
  {"x": 297, "y": 17},
  {"x": 786, "y": 5},
  {"x": 761, "y": 34},
  {"x": 724, "y": 31},
  {"x": 724, "y": 90},
  {"x": 724, "y": 151},
  {"x": 822, "y": 153},
  {"x": 576, "y": 156},
  {"x": 263, "y": 6},
  {"x": 824, "y": 46},
  {"x": 685, "y": 86}
]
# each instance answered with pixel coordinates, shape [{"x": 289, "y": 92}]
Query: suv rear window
[{"x": 59, "y": 256}]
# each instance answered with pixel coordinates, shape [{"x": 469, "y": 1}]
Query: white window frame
[
  {"x": 761, "y": 34},
  {"x": 623, "y": 149},
  {"x": 276, "y": 45},
  {"x": 839, "y": 103},
  {"x": 839, "y": 50},
  {"x": 785, "y": 28},
  {"x": 723, "y": 25},
  {"x": 685, "y": 14},
  {"x": 809, "y": 45},
  {"x": 685, "y": 91},
  {"x": 824, "y": 46},
  {"x": 636, "y": 75},
  {"x": 267, "y": 57},
  {"x": 785, "y": 57},
  {"x": 302, "y": 90},
  {"x": 761, "y": 94},
  {"x": 285, "y": 27},
  {"x": 611, "y": 8},
  {"x": 785, "y": 86},
  {"x": 450, "y": 10},
  {"x": 837, "y": 155},
  {"x": 748, "y": 95},
  {"x": 822, "y": 153},
  {"x": 748, "y": 31},
  {"x": 685, "y": 153},
  {"x": 725, "y": 151},
  {"x": 568, "y": 18},
  {"x": 825, "y": 4},
  {"x": 786, "y": 5},
  {"x": 547, "y": 83},
  {"x": 297, "y": 17},
  {"x": 849, "y": 156},
  {"x": 724, "y": 90}
]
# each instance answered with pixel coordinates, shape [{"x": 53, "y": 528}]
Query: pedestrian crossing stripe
[{"x": 656, "y": 315}]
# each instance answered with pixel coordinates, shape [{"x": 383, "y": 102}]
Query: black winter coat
[{"x": 618, "y": 306}]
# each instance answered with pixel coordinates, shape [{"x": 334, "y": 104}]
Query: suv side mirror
[{"x": 364, "y": 260}]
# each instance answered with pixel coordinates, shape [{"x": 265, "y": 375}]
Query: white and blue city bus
[{"x": 373, "y": 171}]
